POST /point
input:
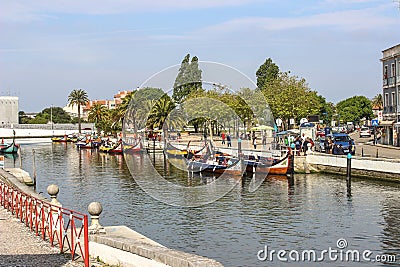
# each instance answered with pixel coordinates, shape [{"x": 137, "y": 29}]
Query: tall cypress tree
[
  {"x": 267, "y": 72},
  {"x": 188, "y": 79}
]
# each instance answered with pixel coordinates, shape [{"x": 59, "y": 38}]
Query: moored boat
[
  {"x": 221, "y": 164},
  {"x": 9, "y": 148},
  {"x": 116, "y": 149},
  {"x": 63, "y": 139},
  {"x": 268, "y": 165},
  {"x": 138, "y": 147}
]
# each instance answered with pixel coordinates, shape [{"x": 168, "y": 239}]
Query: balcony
[
  {"x": 389, "y": 109},
  {"x": 392, "y": 81},
  {"x": 385, "y": 82}
]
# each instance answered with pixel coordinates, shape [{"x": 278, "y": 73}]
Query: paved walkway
[{"x": 21, "y": 247}]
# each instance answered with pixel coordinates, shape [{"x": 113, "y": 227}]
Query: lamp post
[{"x": 51, "y": 116}]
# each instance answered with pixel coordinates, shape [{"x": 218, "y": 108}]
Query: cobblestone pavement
[{"x": 19, "y": 247}]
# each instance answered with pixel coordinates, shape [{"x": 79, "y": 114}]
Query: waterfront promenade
[{"x": 20, "y": 247}]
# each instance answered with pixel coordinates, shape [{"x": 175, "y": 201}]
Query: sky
[{"x": 50, "y": 47}]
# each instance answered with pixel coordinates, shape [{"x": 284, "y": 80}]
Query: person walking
[
  {"x": 223, "y": 138},
  {"x": 255, "y": 142}
]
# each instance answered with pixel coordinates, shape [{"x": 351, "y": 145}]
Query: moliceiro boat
[
  {"x": 115, "y": 149},
  {"x": 232, "y": 166},
  {"x": 268, "y": 165},
  {"x": 9, "y": 148},
  {"x": 173, "y": 152},
  {"x": 133, "y": 148}
]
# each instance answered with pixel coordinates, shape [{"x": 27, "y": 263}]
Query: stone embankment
[{"x": 365, "y": 167}]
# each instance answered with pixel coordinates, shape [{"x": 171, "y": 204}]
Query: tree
[
  {"x": 160, "y": 112},
  {"x": 137, "y": 112},
  {"x": 377, "y": 101},
  {"x": 78, "y": 97},
  {"x": 267, "y": 72},
  {"x": 354, "y": 109},
  {"x": 98, "y": 114},
  {"x": 23, "y": 118},
  {"x": 326, "y": 110},
  {"x": 188, "y": 79},
  {"x": 290, "y": 97}
]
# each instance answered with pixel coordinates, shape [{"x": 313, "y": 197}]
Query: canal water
[{"x": 314, "y": 215}]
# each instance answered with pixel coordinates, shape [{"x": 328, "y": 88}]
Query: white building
[{"x": 8, "y": 110}]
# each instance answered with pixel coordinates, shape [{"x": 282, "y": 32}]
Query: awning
[{"x": 386, "y": 123}]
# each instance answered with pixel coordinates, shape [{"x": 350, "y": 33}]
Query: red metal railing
[{"x": 62, "y": 227}]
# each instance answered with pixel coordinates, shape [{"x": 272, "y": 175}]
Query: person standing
[
  {"x": 228, "y": 139},
  {"x": 255, "y": 142},
  {"x": 223, "y": 138}
]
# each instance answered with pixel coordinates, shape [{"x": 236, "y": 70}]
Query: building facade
[
  {"x": 109, "y": 104},
  {"x": 8, "y": 110},
  {"x": 391, "y": 95}
]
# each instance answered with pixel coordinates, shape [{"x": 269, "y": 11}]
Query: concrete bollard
[
  {"x": 53, "y": 190},
  {"x": 348, "y": 175},
  {"x": 95, "y": 209}
]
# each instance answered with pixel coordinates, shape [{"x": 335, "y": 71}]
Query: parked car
[
  {"x": 365, "y": 132},
  {"x": 343, "y": 139},
  {"x": 320, "y": 144}
]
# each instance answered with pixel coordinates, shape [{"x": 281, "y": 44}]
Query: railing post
[
  {"x": 86, "y": 234},
  {"x": 95, "y": 209},
  {"x": 53, "y": 191},
  {"x": 54, "y": 218}
]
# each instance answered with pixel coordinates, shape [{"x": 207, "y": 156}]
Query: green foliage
[
  {"x": 354, "y": 109},
  {"x": 290, "y": 97},
  {"x": 188, "y": 79},
  {"x": 266, "y": 73},
  {"x": 23, "y": 118},
  {"x": 55, "y": 114},
  {"x": 78, "y": 97},
  {"x": 377, "y": 101},
  {"x": 326, "y": 110},
  {"x": 160, "y": 112}
]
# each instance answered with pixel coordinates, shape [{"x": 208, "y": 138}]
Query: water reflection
[{"x": 312, "y": 214}]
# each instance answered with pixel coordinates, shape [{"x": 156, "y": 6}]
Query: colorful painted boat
[
  {"x": 173, "y": 152},
  {"x": 232, "y": 166},
  {"x": 9, "y": 148},
  {"x": 136, "y": 148},
  {"x": 116, "y": 149},
  {"x": 63, "y": 139},
  {"x": 268, "y": 165}
]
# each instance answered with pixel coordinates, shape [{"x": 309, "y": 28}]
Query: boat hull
[
  {"x": 9, "y": 148},
  {"x": 280, "y": 167}
]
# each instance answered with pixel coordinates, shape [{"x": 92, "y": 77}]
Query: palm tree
[
  {"x": 160, "y": 112},
  {"x": 377, "y": 101},
  {"x": 78, "y": 97},
  {"x": 97, "y": 114}
]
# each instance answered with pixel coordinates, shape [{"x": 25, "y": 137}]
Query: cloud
[
  {"x": 25, "y": 11},
  {"x": 348, "y": 20}
]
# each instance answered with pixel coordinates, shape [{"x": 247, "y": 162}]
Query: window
[
  {"x": 385, "y": 72},
  {"x": 393, "y": 100},
  {"x": 393, "y": 70},
  {"x": 386, "y": 100},
  {"x": 398, "y": 66}
]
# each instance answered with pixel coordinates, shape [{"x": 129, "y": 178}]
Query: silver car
[{"x": 365, "y": 132}]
